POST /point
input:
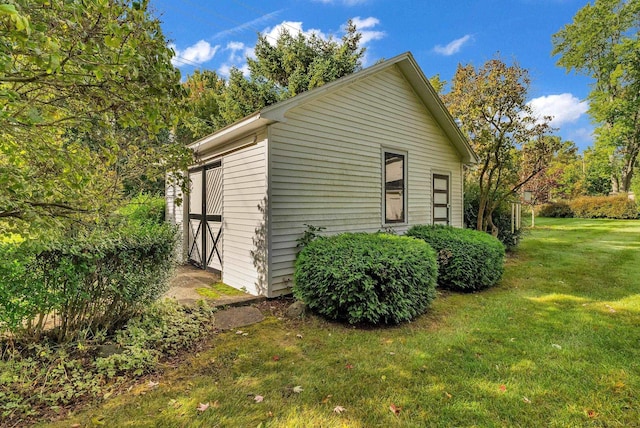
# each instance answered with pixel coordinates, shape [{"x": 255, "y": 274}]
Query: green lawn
[{"x": 556, "y": 343}]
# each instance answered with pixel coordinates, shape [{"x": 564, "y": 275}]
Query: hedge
[
  {"x": 366, "y": 278},
  {"x": 614, "y": 207},
  {"x": 617, "y": 207},
  {"x": 95, "y": 280},
  {"x": 468, "y": 260}
]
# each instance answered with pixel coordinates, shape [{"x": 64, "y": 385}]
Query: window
[{"x": 395, "y": 195}]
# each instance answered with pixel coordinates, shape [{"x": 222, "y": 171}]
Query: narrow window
[{"x": 395, "y": 196}]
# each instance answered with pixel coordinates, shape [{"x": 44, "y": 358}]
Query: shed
[{"x": 372, "y": 151}]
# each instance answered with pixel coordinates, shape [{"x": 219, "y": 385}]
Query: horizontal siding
[
  {"x": 244, "y": 175},
  {"x": 325, "y": 164}
]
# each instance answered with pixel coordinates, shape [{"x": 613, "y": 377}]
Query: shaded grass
[{"x": 555, "y": 344}]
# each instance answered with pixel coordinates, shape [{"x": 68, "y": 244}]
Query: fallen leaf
[
  {"x": 239, "y": 332},
  {"x": 215, "y": 404},
  {"x": 258, "y": 398},
  {"x": 75, "y": 426},
  {"x": 299, "y": 336},
  {"x": 153, "y": 384},
  {"x": 503, "y": 388},
  {"x": 592, "y": 414},
  {"x": 555, "y": 345},
  {"x": 297, "y": 389},
  {"x": 275, "y": 358},
  {"x": 98, "y": 420},
  {"x": 245, "y": 334},
  {"x": 395, "y": 409},
  {"x": 447, "y": 394},
  {"x": 270, "y": 414},
  {"x": 349, "y": 366},
  {"x": 339, "y": 409},
  {"x": 526, "y": 400},
  {"x": 610, "y": 308},
  {"x": 326, "y": 399},
  {"x": 392, "y": 353},
  {"x": 202, "y": 407}
]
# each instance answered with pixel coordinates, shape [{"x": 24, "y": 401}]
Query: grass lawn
[{"x": 556, "y": 343}]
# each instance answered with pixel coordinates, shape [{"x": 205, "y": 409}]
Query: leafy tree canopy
[
  {"x": 490, "y": 103},
  {"x": 602, "y": 42},
  {"x": 281, "y": 69},
  {"x": 86, "y": 89}
]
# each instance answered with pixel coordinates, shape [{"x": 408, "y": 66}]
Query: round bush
[
  {"x": 468, "y": 260},
  {"x": 371, "y": 278}
]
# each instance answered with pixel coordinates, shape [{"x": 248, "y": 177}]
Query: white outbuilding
[{"x": 375, "y": 150}]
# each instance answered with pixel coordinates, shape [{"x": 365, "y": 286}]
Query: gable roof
[{"x": 409, "y": 68}]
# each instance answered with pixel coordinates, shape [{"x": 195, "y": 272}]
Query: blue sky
[{"x": 219, "y": 34}]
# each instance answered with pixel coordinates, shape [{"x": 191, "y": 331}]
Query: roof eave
[{"x": 242, "y": 127}]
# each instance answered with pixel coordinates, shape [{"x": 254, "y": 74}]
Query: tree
[
  {"x": 490, "y": 103},
  {"x": 87, "y": 93},
  {"x": 561, "y": 176},
  {"x": 602, "y": 42},
  {"x": 299, "y": 63},
  {"x": 289, "y": 66}
]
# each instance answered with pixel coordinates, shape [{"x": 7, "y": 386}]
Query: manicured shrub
[
  {"x": 617, "y": 207},
  {"x": 96, "y": 279},
  {"x": 366, "y": 278},
  {"x": 468, "y": 260},
  {"x": 558, "y": 209}
]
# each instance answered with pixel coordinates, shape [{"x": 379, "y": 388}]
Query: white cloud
[
  {"x": 237, "y": 50},
  {"x": 453, "y": 47},
  {"x": 293, "y": 28},
  {"x": 563, "y": 108},
  {"x": 225, "y": 69},
  {"x": 369, "y": 22},
  {"x": 368, "y": 35},
  {"x": 196, "y": 54}
]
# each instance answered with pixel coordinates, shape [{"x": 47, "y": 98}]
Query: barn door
[
  {"x": 205, "y": 216},
  {"x": 441, "y": 207}
]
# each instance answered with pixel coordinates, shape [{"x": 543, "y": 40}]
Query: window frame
[{"x": 405, "y": 197}]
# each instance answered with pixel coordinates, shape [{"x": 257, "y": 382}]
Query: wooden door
[
  {"x": 441, "y": 206},
  {"x": 205, "y": 216}
]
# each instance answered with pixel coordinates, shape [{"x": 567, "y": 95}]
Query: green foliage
[
  {"x": 311, "y": 233},
  {"x": 299, "y": 63},
  {"x": 145, "y": 208},
  {"x": 96, "y": 279},
  {"x": 38, "y": 377},
  {"x": 598, "y": 170},
  {"x": 510, "y": 141},
  {"x": 87, "y": 92},
  {"x": 500, "y": 217},
  {"x": 602, "y": 43},
  {"x": 560, "y": 209},
  {"x": 291, "y": 65},
  {"x": 468, "y": 260},
  {"x": 371, "y": 278},
  {"x": 617, "y": 207}
]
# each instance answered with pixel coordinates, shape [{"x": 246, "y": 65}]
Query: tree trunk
[{"x": 626, "y": 175}]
